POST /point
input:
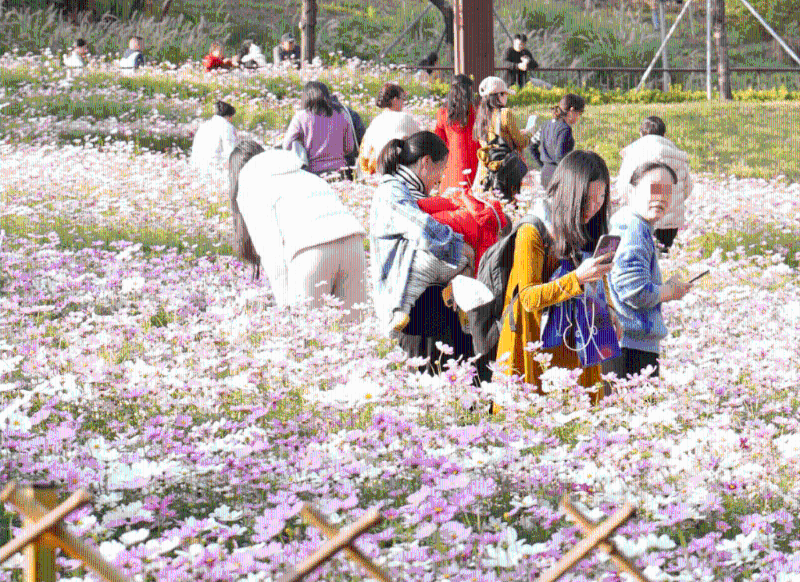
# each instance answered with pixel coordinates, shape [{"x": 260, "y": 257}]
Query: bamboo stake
[
  {"x": 315, "y": 518},
  {"x": 587, "y": 526},
  {"x": 59, "y": 537},
  {"x": 343, "y": 539},
  {"x": 37, "y": 528},
  {"x": 587, "y": 544}
]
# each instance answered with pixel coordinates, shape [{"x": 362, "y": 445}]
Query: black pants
[
  {"x": 633, "y": 361},
  {"x": 666, "y": 236}
]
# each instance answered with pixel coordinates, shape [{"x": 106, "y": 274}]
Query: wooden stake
[
  {"x": 340, "y": 541},
  {"x": 59, "y": 537},
  {"x": 315, "y": 518},
  {"x": 587, "y": 544},
  {"x": 587, "y": 526},
  {"x": 37, "y": 528}
]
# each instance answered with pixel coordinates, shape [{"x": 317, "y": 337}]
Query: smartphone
[
  {"x": 700, "y": 276},
  {"x": 608, "y": 243}
]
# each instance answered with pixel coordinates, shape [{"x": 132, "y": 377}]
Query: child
[
  {"x": 635, "y": 282},
  {"x": 77, "y": 57},
  {"x": 479, "y": 222},
  {"x": 133, "y": 57},
  {"x": 215, "y": 59},
  {"x": 653, "y": 146}
]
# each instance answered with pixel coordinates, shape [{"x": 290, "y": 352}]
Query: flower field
[{"x": 140, "y": 359}]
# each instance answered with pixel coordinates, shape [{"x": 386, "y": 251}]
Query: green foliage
[
  {"x": 783, "y": 17},
  {"x": 173, "y": 39},
  {"x": 755, "y": 239}
]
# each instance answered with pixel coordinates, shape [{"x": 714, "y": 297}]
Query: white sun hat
[{"x": 492, "y": 85}]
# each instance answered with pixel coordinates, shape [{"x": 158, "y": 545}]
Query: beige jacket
[{"x": 655, "y": 148}]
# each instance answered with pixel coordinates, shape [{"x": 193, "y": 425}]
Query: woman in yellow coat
[{"x": 575, "y": 213}]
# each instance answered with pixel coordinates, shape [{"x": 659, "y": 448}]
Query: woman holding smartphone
[{"x": 575, "y": 215}]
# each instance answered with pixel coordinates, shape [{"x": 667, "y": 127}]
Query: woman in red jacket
[
  {"x": 215, "y": 59},
  {"x": 454, "y": 124}
]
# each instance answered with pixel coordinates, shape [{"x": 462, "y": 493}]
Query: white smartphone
[{"x": 608, "y": 243}]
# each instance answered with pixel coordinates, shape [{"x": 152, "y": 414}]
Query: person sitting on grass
[
  {"x": 76, "y": 59},
  {"x": 215, "y": 59},
  {"x": 287, "y": 51},
  {"x": 250, "y": 56},
  {"x": 133, "y": 57},
  {"x": 215, "y": 139},
  {"x": 653, "y": 146},
  {"x": 637, "y": 290}
]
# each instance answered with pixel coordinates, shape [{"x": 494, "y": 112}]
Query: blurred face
[
  {"x": 652, "y": 196},
  {"x": 594, "y": 200},
  {"x": 430, "y": 172},
  {"x": 217, "y": 51},
  {"x": 503, "y": 99},
  {"x": 573, "y": 116},
  {"x": 82, "y": 50},
  {"x": 288, "y": 45},
  {"x": 397, "y": 103}
]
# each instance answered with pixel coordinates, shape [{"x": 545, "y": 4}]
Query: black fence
[{"x": 626, "y": 78}]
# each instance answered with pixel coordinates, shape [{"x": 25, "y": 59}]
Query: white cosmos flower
[
  {"x": 224, "y": 513},
  {"x": 134, "y": 536},
  {"x": 509, "y": 552}
]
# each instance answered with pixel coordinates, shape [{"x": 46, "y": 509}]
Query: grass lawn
[{"x": 742, "y": 139}]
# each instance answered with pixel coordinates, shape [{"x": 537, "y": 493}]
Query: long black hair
[
  {"x": 242, "y": 244},
  {"x": 489, "y": 104},
  {"x": 408, "y": 151},
  {"x": 316, "y": 98},
  {"x": 569, "y": 192},
  {"x": 459, "y": 100}
]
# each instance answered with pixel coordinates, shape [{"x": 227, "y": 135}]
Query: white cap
[{"x": 492, "y": 85}]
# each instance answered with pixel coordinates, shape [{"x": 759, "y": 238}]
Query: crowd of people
[{"x": 440, "y": 210}]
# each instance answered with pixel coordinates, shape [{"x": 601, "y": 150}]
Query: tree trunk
[
  {"x": 165, "y": 8},
  {"x": 308, "y": 28},
  {"x": 721, "y": 40},
  {"x": 446, "y": 9}
]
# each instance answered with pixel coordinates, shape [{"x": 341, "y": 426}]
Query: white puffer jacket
[{"x": 655, "y": 148}]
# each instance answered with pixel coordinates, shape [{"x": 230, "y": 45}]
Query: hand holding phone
[
  {"x": 607, "y": 244},
  {"x": 700, "y": 276}
]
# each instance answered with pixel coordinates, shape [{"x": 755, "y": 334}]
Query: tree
[
  {"x": 308, "y": 28},
  {"x": 446, "y": 9},
  {"x": 721, "y": 40}
]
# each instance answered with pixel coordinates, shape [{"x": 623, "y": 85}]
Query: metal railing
[{"x": 626, "y": 78}]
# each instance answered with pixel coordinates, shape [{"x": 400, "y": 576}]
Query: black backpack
[{"x": 486, "y": 321}]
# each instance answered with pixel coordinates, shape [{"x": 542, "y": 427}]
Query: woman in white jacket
[
  {"x": 652, "y": 146},
  {"x": 215, "y": 139},
  {"x": 391, "y": 123},
  {"x": 305, "y": 239}
]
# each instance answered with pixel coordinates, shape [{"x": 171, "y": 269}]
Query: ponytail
[
  {"x": 569, "y": 102},
  {"x": 409, "y": 151}
]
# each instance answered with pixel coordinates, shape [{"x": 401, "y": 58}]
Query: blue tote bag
[{"x": 583, "y": 323}]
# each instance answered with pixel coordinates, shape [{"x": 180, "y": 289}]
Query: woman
[
  {"x": 411, "y": 168},
  {"x": 309, "y": 244},
  {"x": 425, "y": 73},
  {"x": 322, "y": 128},
  {"x": 391, "y": 123},
  {"x": 493, "y": 113},
  {"x": 575, "y": 214},
  {"x": 455, "y": 125},
  {"x": 215, "y": 139},
  {"x": 557, "y": 140}
]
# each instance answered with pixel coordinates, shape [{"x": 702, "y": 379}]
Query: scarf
[{"x": 412, "y": 181}]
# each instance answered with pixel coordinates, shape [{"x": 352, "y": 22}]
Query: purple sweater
[{"x": 326, "y": 139}]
